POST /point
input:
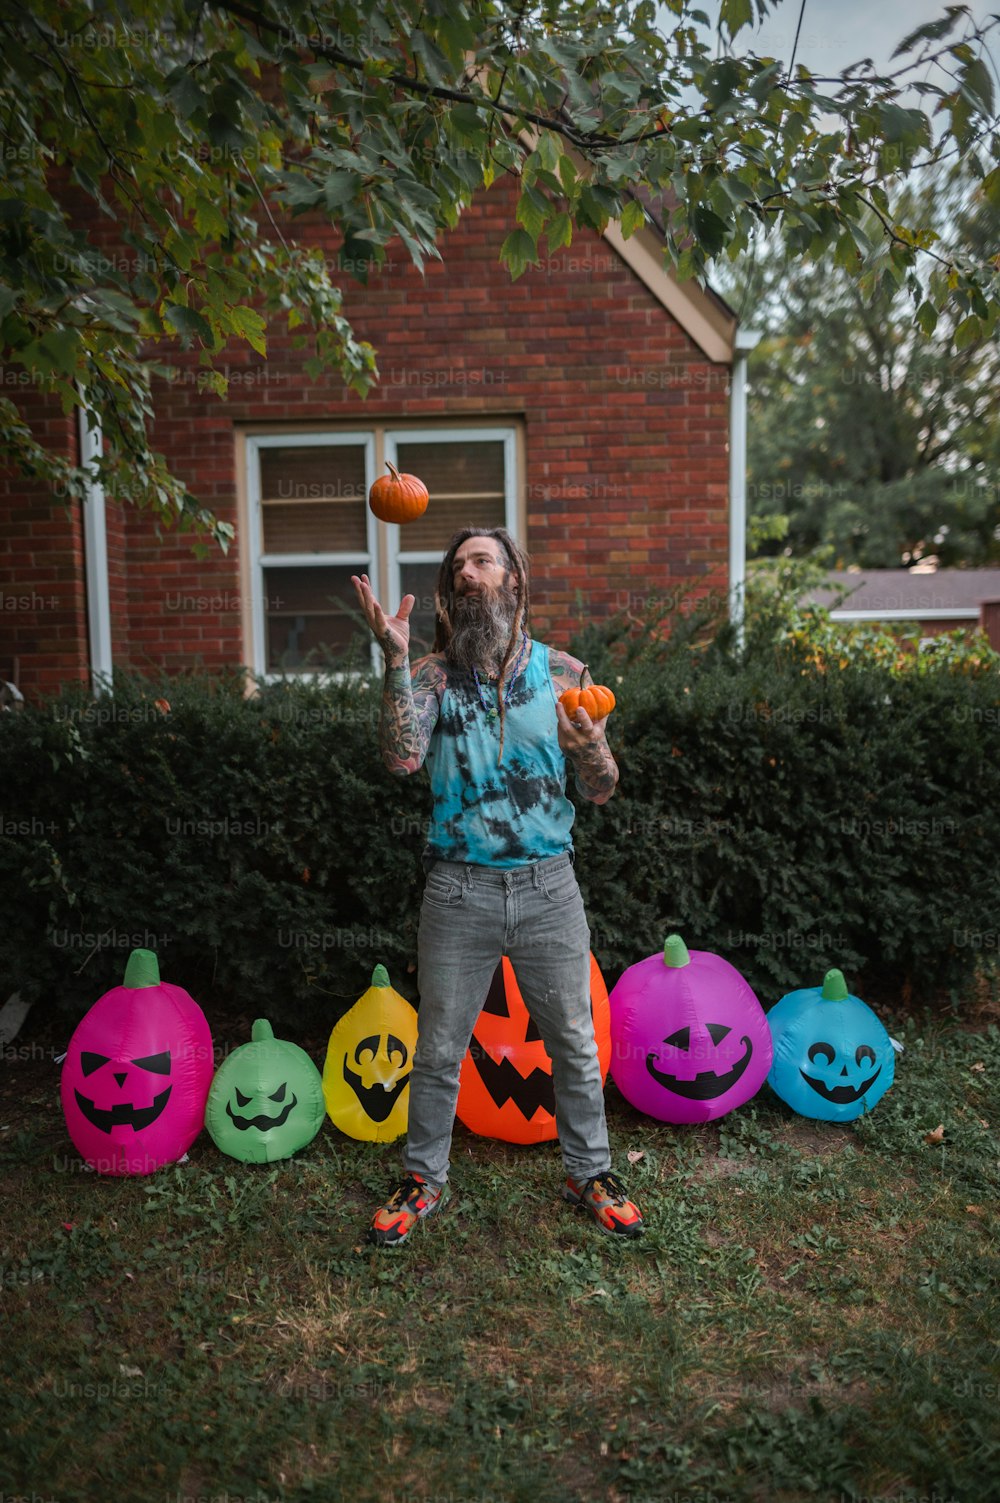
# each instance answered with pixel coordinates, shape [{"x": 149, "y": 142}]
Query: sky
[{"x": 836, "y": 33}]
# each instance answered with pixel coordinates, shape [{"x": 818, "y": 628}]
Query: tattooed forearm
[
  {"x": 409, "y": 713},
  {"x": 596, "y": 772}
]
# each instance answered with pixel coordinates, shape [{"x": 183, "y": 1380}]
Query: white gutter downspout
[
  {"x": 95, "y": 551},
  {"x": 746, "y": 339}
]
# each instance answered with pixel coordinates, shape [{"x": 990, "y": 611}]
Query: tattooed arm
[
  {"x": 411, "y": 702},
  {"x": 582, "y": 739}
]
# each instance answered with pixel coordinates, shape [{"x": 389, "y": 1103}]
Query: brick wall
[
  {"x": 43, "y": 606},
  {"x": 625, "y": 422},
  {"x": 989, "y": 622}
]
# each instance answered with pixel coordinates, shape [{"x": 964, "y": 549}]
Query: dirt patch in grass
[{"x": 817, "y": 1139}]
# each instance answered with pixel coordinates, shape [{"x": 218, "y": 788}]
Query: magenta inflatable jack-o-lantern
[
  {"x": 689, "y": 1040},
  {"x": 137, "y": 1073}
]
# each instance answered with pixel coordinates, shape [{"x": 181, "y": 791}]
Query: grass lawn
[{"x": 813, "y": 1313}]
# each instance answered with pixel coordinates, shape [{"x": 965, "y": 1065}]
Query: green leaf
[
  {"x": 251, "y": 326},
  {"x": 977, "y": 80},
  {"x": 339, "y": 188},
  {"x": 187, "y": 321},
  {"x": 765, "y": 80},
  {"x": 926, "y": 317},
  {"x": 518, "y": 252},
  {"x": 735, "y": 14},
  {"x": 991, "y": 187},
  {"x": 559, "y": 231},
  {"x": 711, "y": 230},
  {"x": 931, "y": 32},
  {"x": 846, "y": 253},
  {"x": 968, "y": 332},
  {"x": 185, "y": 93},
  {"x": 533, "y": 209},
  {"x": 633, "y": 218}
]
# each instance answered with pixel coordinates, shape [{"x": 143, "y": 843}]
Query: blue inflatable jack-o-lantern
[{"x": 833, "y": 1059}]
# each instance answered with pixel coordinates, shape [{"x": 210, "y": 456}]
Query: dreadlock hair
[{"x": 444, "y": 601}]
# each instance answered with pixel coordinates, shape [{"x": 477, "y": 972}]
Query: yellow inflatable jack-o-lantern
[{"x": 366, "y": 1077}]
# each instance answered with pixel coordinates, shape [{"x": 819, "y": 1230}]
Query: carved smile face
[
  {"x": 137, "y": 1073},
  {"x": 833, "y": 1059},
  {"x": 368, "y": 1064},
  {"x": 505, "y": 1089},
  {"x": 266, "y": 1100},
  {"x": 690, "y": 1040},
  {"x": 708, "y": 1051}
]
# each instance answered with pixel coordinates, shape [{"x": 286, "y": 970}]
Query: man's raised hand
[{"x": 392, "y": 633}]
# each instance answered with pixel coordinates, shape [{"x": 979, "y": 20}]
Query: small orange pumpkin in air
[
  {"x": 398, "y": 498},
  {"x": 596, "y": 699}
]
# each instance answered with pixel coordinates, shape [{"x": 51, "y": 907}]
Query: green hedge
[{"x": 787, "y": 815}]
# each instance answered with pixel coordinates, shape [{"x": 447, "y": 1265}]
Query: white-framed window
[
  {"x": 310, "y": 529},
  {"x": 471, "y": 474}
]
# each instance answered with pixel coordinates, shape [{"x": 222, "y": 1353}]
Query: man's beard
[{"x": 481, "y": 626}]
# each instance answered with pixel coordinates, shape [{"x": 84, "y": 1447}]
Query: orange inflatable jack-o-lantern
[{"x": 505, "y": 1089}]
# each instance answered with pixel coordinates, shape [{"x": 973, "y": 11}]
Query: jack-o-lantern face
[
  {"x": 716, "y": 1054},
  {"x": 368, "y": 1064},
  {"x": 123, "y": 1113},
  {"x": 266, "y": 1100},
  {"x": 689, "y": 1039},
  {"x": 137, "y": 1073},
  {"x": 833, "y": 1059},
  {"x": 505, "y": 1089},
  {"x": 864, "y": 1070},
  {"x": 263, "y": 1120},
  {"x": 380, "y": 1074}
]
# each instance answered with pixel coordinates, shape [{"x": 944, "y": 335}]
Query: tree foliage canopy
[
  {"x": 203, "y": 128},
  {"x": 876, "y": 440}
]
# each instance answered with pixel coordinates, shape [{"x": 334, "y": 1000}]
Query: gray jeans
[{"x": 471, "y": 916}]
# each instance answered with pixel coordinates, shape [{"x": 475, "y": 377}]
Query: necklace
[{"x": 491, "y": 710}]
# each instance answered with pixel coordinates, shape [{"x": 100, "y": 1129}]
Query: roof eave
[{"x": 703, "y": 315}]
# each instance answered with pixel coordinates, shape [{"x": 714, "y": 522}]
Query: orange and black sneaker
[
  {"x": 410, "y": 1202},
  {"x": 604, "y": 1197}
]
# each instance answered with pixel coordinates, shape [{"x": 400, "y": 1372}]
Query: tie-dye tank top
[{"x": 506, "y": 815}]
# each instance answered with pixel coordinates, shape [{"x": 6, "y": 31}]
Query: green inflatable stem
[
  {"x": 834, "y": 987},
  {"x": 675, "y": 952},
  {"x": 261, "y": 1032},
  {"x": 380, "y": 976},
  {"x": 143, "y": 970}
]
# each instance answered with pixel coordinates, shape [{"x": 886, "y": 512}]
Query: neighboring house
[
  {"x": 936, "y": 601},
  {"x": 585, "y": 406}
]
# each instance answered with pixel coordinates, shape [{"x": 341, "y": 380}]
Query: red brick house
[
  {"x": 585, "y": 406},
  {"x": 934, "y": 600}
]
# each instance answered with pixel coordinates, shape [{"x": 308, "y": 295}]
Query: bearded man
[{"x": 482, "y": 711}]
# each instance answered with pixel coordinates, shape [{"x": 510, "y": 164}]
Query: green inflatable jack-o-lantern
[{"x": 266, "y": 1100}]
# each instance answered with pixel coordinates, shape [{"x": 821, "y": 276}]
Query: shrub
[{"x": 790, "y": 814}]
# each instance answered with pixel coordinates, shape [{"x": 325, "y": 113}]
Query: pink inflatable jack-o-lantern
[
  {"x": 689, "y": 1040},
  {"x": 137, "y": 1073}
]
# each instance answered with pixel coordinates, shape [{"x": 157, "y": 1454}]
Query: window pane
[
  {"x": 312, "y": 618},
  {"x": 314, "y": 528},
  {"x": 420, "y": 580},
  {"x": 466, "y": 486},
  {"x": 455, "y": 466},
  {"x": 313, "y": 499}
]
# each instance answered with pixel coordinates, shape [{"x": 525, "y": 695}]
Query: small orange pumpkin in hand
[
  {"x": 596, "y": 699},
  {"x": 398, "y": 498}
]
